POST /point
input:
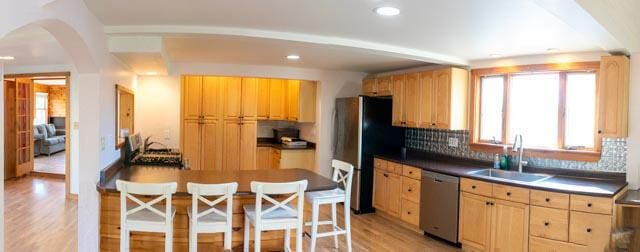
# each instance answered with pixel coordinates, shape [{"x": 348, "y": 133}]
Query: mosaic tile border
[{"x": 614, "y": 151}]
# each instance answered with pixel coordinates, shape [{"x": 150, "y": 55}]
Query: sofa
[{"x": 48, "y": 139}]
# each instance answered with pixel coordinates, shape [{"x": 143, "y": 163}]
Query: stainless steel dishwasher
[{"x": 439, "y": 205}]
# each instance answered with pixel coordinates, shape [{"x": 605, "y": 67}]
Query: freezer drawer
[{"x": 439, "y": 205}]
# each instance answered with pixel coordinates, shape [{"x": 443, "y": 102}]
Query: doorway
[{"x": 37, "y": 133}]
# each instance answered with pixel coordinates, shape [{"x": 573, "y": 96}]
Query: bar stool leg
[
  {"x": 347, "y": 223},
  {"x": 287, "y": 239},
  {"x": 247, "y": 236},
  {"x": 168, "y": 240},
  {"x": 258, "y": 238},
  {"x": 124, "y": 239},
  {"x": 299, "y": 232},
  {"x": 227, "y": 235},
  {"x": 193, "y": 238},
  {"x": 334, "y": 221},
  {"x": 314, "y": 226}
]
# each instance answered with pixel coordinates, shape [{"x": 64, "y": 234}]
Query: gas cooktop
[{"x": 158, "y": 158}]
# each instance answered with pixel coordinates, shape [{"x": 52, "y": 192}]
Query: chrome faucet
[{"x": 517, "y": 147}]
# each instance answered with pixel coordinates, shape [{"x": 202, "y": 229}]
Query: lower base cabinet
[
  {"x": 475, "y": 221},
  {"x": 396, "y": 191},
  {"x": 272, "y": 158},
  {"x": 509, "y": 226},
  {"x": 546, "y": 245}
]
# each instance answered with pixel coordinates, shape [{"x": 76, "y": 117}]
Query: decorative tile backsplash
[{"x": 614, "y": 151}]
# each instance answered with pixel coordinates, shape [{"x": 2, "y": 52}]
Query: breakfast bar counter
[{"x": 110, "y": 205}]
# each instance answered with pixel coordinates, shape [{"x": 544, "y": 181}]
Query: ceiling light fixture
[
  {"x": 387, "y": 11},
  {"x": 152, "y": 73},
  {"x": 293, "y": 57},
  {"x": 7, "y": 58},
  {"x": 495, "y": 55}
]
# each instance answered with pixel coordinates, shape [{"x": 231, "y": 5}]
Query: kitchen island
[{"x": 110, "y": 205}]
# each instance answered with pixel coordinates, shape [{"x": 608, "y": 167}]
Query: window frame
[
  {"x": 45, "y": 109},
  {"x": 589, "y": 155}
]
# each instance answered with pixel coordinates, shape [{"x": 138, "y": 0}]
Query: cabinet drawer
[
  {"x": 550, "y": 199},
  {"x": 591, "y": 204},
  {"x": 511, "y": 193},
  {"x": 411, "y": 189},
  {"x": 549, "y": 223},
  {"x": 590, "y": 229},
  {"x": 379, "y": 164},
  {"x": 411, "y": 172},
  {"x": 545, "y": 245},
  {"x": 394, "y": 168},
  {"x": 410, "y": 212},
  {"x": 476, "y": 187}
]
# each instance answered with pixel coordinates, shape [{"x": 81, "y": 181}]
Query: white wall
[
  {"x": 2, "y": 160},
  {"x": 158, "y": 112},
  {"x": 633, "y": 142}
]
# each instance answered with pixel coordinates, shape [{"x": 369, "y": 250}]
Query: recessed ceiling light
[
  {"x": 152, "y": 73},
  {"x": 387, "y": 11},
  {"x": 495, "y": 55},
  {"x": 7, "y": 58},
  {"x": 293, "y": 57}
]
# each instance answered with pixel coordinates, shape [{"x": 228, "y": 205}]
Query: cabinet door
[
  {"x": 263, "y": 158},
  {"x": 442, "y": 92},
  {"x": 293, "y": 88},
  {"x": 394, "y": 190},
  {"x": 276, "y": 155},
  {"x": 426, "y": 100},
  {"x": 211, "y": 151},
  {"x": 384, "y": 86},
  {"x": 248, "y": 141},
  {"x": 380, "y": 189},
  {"x": 411, "y": 101},
  {"x": 369, "y": 87},
  {"x": 191, "y": 143},
  {"x": 276, "y": 99},
  {"x": 249, "y": 99},
  {"x": 510, "y": 226},
  {"x": 475, "y": 221},
  {"x": 614, "y": 96},
  {"x": 211, "y": 87},
  {"x": 192, "y": 97},
  {"x": 593, "y": 230},
  {"x": 232, "y": 97},
  {"x": 263, "y": 99},
  {"x": 397, "y": 117},
  {"x": 231, "y": 149}
]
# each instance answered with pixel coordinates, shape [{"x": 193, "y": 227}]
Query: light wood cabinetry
[
  {"x": 297, "y": 159},
  {"x": 248, "y": 142},
  {"x": 210, "y": 134},
  {"x": 395, "y": 193},
  {"x": 614, "y": 96},
  {"x": 276, "y": 99},
  {"x": 192, "y": 97},
  {"x": 232, "y": 97},
  {"x": 432, "y": 99},
  {"x": 275, "y": 158},
  {"x": 531, "y": 220},
  {"x": 249, "y": 99},
  {"x": 381, "y": 86},
  {"x": 264, "y": 95},
  {"x": 263, "y": 158},
  {"x": 301, "y": 101},
  {"x": 209, "y": 97},
  {"x": 369, "y": 87}
]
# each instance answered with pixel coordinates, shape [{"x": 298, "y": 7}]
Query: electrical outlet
[{"x": 453, "y": 142}]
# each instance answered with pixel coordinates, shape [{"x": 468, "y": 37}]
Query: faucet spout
[{"x": 517, "y": 147}]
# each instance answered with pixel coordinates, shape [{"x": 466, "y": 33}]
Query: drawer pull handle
[
  {"x": 410, "y": 172},
  {"x": 408, "y": 212},
  {"x": 588, "y": 230},
  {"x": 547, "y": 199},
  {"x": 410, "y": 190},
  {"x": 589, "y": 205},
  {"x": 487, "y": 203},
  {"x": 508, "y": 193},
  {"x": 473, "y": 187},
  {"x": 236, "y": 229},
  {"x": 546, "y": 223}
]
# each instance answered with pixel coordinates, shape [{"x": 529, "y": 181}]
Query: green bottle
[{"x": 505, "y": 159}]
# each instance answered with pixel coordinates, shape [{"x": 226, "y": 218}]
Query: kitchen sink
[{"x": 511, "y": 175}]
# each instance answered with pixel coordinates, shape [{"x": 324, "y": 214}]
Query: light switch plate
[{"x": 453, "y": 142}]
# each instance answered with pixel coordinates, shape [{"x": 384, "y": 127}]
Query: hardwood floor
[
  {"x": 50, "y": 164},
  {"x": 38, "y": 217}
]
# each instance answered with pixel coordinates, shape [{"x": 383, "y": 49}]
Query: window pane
[
  {"x": 534, "y": 109},
  {"x": 580, "y": 110},
  {"x": 41, "y": 117},
  {"x": 491, "y": 96}
]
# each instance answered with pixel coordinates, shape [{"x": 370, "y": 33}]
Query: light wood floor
[
  {"x": 38, "y": 217},
  {"x": 50, "y": 164}
]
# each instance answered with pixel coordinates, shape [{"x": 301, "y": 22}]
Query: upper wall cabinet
[
  {"x": 377, "y": 87},
  {"x": 432, "y": 99},
  {"x": 614, "y": 96},
  {"x": 264, "y": 96},
  {"x": 301, "y": 101}
]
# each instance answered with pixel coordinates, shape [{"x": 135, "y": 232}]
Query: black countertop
[
  {"x": 602, "y": 187},
  {"x": 270, "y": 142},
  {"x": 159, "y": 174},
  {"x": 630, "y": 198}
]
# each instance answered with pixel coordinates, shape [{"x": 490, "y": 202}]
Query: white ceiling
[
  {"x": 33, "y": 45},
  {"x": 461, "y": 29},
  {"x": 259, "y": 51}
]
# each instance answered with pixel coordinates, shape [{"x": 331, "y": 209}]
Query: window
[
  {"x": 554, "y": 109},
  {"x": 42, "y": 100}
]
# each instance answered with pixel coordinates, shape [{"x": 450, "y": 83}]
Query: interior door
[
  {"x": 231, "y": 149},
  {"x": 126, "y": 111},
  {"x": 24, "y": 129},
  {"x": 248, "y": 145},
  {"x": 10, "y": 129}
]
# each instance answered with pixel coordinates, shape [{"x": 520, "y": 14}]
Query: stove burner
[{"x": 158, "y": 158}]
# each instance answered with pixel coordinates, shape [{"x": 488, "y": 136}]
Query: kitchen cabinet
[
  {"x": 264, "y": 95},
  {"x": 263, "y": 158},
  {"x": 614, "y": 96},
  {"x": 450, "y": 88},
  {"x": 369, "y": 87},
  {"x": 398, "y": 110},
  {"x": 232, "y": 97},
  {"x": 381, "y": 86},
  {"x": 277, "y": 99},
  {"x": 239, "y": 152},
  {"x": 275, "y": 158},
  {"x": 249, "y": 99},
  {"x": 248, "y": 142},
  {"x": 396, "y": 192},
  {"x": 210, "y": 153},
  {"x": 301, "y": 101},
  {"x": 426, "y": 99},
  {"x": 297, "y": 159},
  {"x": 210, "y": 97},
  {"x": 532, "y": 220},
  {"x": 191, "y": 152},
  {"x": 411, "y": 100},
  {"x": 191, "y": 97}
]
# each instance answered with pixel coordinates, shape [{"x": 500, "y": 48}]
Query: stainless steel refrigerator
[{"x": 362, "y": 128}]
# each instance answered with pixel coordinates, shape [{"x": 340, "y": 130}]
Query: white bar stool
[
  {"x": 145, "y": 217},
  {"x": 214, "y": 219},
  {"x": 279, "y": 215},
  {"x": 343, "y": 175}
]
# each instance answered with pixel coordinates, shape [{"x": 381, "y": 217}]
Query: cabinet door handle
[
  {"x": 410, "y": 190},
  {"x": 487, "y": 203},
  {"x": 508, "y": 193},
  {"x": 547, "y": 199},
  {"x": 546, "y": 223},
  {"x": 589, "y": 205},
  {"x": 473, "y": 187},
  {"x": 386, "y": 175},
  {"x": 588, "y": 230}
]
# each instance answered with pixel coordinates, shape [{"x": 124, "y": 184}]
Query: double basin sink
[{"x": 511, "y": 175}]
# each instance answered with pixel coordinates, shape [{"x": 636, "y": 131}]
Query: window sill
[{"x": 575, "y": 155}]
